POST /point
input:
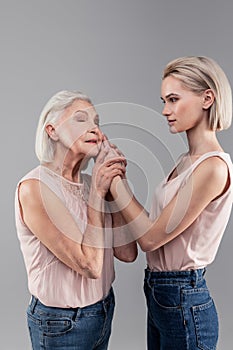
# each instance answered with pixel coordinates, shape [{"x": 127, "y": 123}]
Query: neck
[
  {"x": 201, "y": 141},
  {"x": 69, "y": 167}
]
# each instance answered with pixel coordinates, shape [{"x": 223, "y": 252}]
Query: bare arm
[
  {"x": 125, "y": 246},
  {"x": 51, "y": 222},
  {"x": 208, "y": 181}
]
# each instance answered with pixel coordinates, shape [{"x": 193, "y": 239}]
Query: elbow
[
  {"x": 128, "y": 258},
  {"x": 132, "y": 256},
  {"x": 93, "y": 270},
  {"x": 147, "y": 246},
  {"x": 127, "y": 255},
  {"x": 93, "y": 275}
]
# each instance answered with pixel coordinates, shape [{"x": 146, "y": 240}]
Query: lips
[{"x": 92, "y": 141}]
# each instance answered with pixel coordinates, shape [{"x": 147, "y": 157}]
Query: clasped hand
[{"x": 109, "y": 163}]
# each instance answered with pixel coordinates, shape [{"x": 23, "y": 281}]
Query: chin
[
  {"x": 173, "y": 130},
  {"x": 93, "y": 152}
]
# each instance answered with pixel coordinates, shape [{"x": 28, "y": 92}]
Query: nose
[
  {"x": 95, "y": 130},
  {"x": 166, "y": 111}
]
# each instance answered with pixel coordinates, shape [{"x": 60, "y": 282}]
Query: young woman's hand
[{"x": 108, "y": 164}]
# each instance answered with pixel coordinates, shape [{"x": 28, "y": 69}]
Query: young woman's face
[
  {"x": 78, "y": 129},
  {"x": 182, "y": 108}
]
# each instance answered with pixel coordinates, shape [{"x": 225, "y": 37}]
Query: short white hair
[{"x": 44, "y": 145}]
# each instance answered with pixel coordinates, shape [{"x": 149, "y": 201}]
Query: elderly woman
[{"x": 66, "y": 236}]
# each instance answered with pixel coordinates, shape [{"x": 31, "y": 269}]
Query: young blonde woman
[
  {"x": 190, "y": 209},
  {"x": 66, "y": 238}
]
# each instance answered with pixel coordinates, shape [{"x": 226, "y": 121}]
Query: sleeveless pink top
[
  {"x": 50, "y": 280},
  {"x": 197, "y": 246}
]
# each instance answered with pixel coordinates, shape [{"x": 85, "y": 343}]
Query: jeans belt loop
[
  {"x": 33, "y": 304},
  {"x": 77, "y": 313},
  {"x": 148, "y": 277}
]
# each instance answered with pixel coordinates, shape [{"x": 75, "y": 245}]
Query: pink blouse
[
  {"x": 50, "y": 280},
  {"x": 197, "y": 246}
]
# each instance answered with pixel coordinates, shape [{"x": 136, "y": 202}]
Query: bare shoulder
[
  {"x": 212, "y": 175},
  {"x": 28, "y": 187},
  {"x": 30, "y": 190},
  {"x": 215, "y": 167}
]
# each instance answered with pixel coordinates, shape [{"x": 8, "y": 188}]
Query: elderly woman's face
[{"x": 78, "y": 128}]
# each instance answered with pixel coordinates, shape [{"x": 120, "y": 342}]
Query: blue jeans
[
  {"x": 181, "y": 313},
  {"x": 86, "y": 328}
]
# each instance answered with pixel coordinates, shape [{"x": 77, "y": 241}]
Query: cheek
[
  {"x": 72, "y": 135},
  {"x": 194, "y": 112},
  {"x": 77, "y": 134},
  {"x": 184, "y": 109}
]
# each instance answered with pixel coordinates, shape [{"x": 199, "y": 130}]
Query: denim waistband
[
  {"x": 76, "y": 311},
  {"x": 192, "y": 276}
]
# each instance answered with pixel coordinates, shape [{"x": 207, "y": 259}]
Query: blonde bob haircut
[
  {"x": 199, "y": 73},
  {"x": 44, "y": 145}
]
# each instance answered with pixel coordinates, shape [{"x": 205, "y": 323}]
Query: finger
[
  {"x": 105, "y": 138},
  {"x": 109, "y": 152},
  {"x": 120, "y": 152},
  {"x": 106, "y": 142},
  {"x": 116, "y": 149},
  {"x": 117, "y": 172},
  {"x": 114, "y": 160},
  {"x": 102, "y": 155},
  {"x": 112, "y": 145},
  {"x": 114, "y": 173},
  {"x": 112, "y": 154},
  {"x": 115, "y": 152},
  {"x": 106, "y": 170},
  {"x": 120, "y": 165},
  {"x": 113, "y": 170}
]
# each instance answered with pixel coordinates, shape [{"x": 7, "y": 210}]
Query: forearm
[
  {"x": 150, "y": 235},
  {"x": 125, "y": 246},
  {"x": 177, "y": 215},
  {"x": 132, "y": 211},
  {"x": 93, "y": 238},
  {"x": 103, "y": 172}
]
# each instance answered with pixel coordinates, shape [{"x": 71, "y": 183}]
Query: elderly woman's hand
[
  {"x": 108, "y": 164},
  {"x": 114, "y": 151}
]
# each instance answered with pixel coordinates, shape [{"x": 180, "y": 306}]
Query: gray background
[{"x": 114, "y": 51}]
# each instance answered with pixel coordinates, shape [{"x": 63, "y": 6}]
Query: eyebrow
[
  {"x": 169, "y": 95},
  {"x": 85, "y": 112},
  {"x": 81, "y": 110}
]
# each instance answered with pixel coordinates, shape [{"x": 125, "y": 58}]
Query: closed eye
[{"x": 80, "y": 117}]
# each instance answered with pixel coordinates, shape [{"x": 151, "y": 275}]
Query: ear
[
  {"x": 208, "y": 99},
  {"x": 50, "y": 129}
]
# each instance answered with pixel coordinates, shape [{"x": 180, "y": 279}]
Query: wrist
[
  {"x": 113, "y": 187},
  {"x": 96, "y": 199}
]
